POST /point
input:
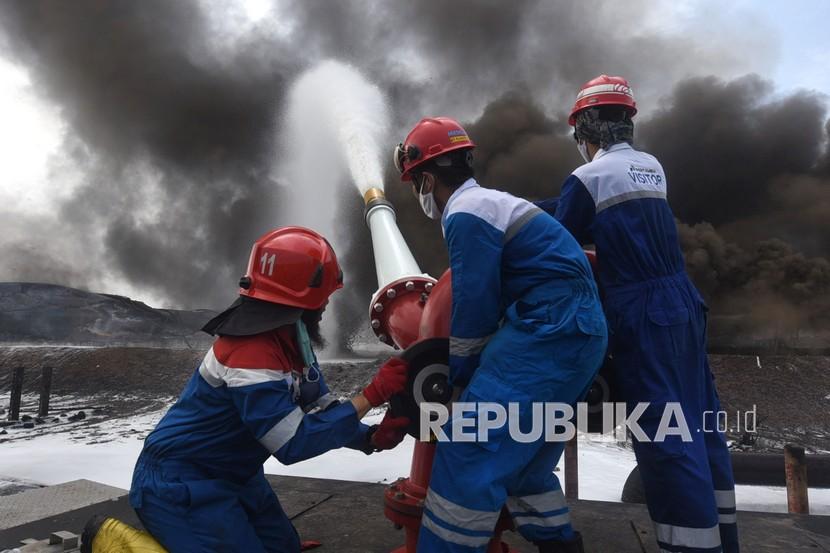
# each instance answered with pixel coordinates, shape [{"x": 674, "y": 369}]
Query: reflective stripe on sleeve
[
  {"x": 519, "y": 223},
  {"x": 467, "y": 347},
  {"x": 321, "y": 403},
  {"x": 283, "y": 431}
]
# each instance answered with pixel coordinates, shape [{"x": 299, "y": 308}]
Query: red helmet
[
  {"x": 292, "y": 266},
  {"x": 430, "y": 138},
  {"x": 603, "y": 91}
]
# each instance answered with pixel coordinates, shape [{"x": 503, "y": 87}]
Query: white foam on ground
[{"x": 56, "y": 458}]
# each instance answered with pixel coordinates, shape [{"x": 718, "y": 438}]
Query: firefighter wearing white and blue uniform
[
  {"x": 656, "y": 317},
  {"x": 526, "y": 327},
  {"x": 198, "y": 484}
]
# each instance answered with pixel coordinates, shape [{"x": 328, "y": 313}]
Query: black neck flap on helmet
[{"x": 249, "y": 316}]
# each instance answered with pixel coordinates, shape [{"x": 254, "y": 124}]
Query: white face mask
[
  {"x": 428, "y": 203},
  {"x": 583, "y": 151},
  {"x": 429, "y": 206}
]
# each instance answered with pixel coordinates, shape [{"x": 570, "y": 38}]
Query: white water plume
[
  {"x": 333, "y": 132},
  {"x": 337, "y": 119}
]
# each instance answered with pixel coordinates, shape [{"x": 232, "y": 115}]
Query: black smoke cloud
[
  {"x": 154, "y": 119},
  {"x": 175, "y": 126},
  {"x": 747, "y": 177},
  {"x": 728, "y": 143}
]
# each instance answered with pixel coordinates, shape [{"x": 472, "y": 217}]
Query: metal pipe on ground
[
  {"x": 764, "y": 469},
  {"x": 750, "y": 469}
]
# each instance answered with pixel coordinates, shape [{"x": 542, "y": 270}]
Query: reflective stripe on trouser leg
[
  {"x": 720, "y": 463},
  {"x": 536, "y": 502},
  {"x": 478, "y": 477},
  {"x": 728, "y": 520},
  {"x": 665, "y": 364},
  {"x": 679, "y": 538},
  {"x": 458, "y": 515},
  {"x": 678, "y": 489},
  {"x": 457, "y": 527},
  {"x": 547, "y": 510},
  {"x": 725, "y": 500}
]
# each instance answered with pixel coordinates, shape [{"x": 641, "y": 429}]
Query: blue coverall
[
  {"x": 199, "y": 484},
  {"x": 527, "y": 326},
  {"x": 657, "y": 323}
]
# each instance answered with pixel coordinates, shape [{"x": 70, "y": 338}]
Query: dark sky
[{"x": 173, "y": 125}]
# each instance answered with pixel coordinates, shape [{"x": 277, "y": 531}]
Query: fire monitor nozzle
[
  {"x": 393, "y": 260},
  {"x": 396, "y": 307}
]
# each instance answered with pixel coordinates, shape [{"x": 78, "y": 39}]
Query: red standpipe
[{"x": 404, "y": 499}]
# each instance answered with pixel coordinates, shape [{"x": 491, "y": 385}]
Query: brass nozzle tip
[{"x": 373, "y": 194}]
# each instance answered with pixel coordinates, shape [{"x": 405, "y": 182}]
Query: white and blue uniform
[
  {"x": 657, "y": 323},
  {"x": 199, "y": 485},
  {"x": 526, "y": 327}
]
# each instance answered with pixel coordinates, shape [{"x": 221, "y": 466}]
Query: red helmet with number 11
[{"x": 292, "y": 266}]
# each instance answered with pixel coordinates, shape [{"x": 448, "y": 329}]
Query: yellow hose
[{"x": 114, "y": 536}]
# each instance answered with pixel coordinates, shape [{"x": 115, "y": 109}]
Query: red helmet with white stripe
[
  {"x": 292, "y": 266},
  {"x": 603, "y": 91}
]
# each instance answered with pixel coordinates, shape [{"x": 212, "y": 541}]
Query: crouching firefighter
[{"x": 199, "y": 484}]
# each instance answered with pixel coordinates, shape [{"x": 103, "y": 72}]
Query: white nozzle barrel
[{"x": 393, "y": 260}]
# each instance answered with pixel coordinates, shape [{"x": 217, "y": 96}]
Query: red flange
[{"x": 396, "y": 309}]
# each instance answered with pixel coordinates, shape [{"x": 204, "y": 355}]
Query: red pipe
[{"x": 404, "y": 499}]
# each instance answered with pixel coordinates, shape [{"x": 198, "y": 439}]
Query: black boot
[{"x": 574, "y": 545}]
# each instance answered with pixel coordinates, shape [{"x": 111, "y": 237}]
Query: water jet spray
[{"x": 337, "y": 121}]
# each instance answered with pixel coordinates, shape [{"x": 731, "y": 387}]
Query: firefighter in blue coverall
[
  {"x": 656, "y": 318},
  {"x": 198, "y": 485},
  {"x": 527, "y": 327}
]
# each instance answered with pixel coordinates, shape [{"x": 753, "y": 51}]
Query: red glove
[
  {"x": 390, "y": 380},
  {"x": 389, "y": 433},
  {"x": 309, "y": 544}
]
